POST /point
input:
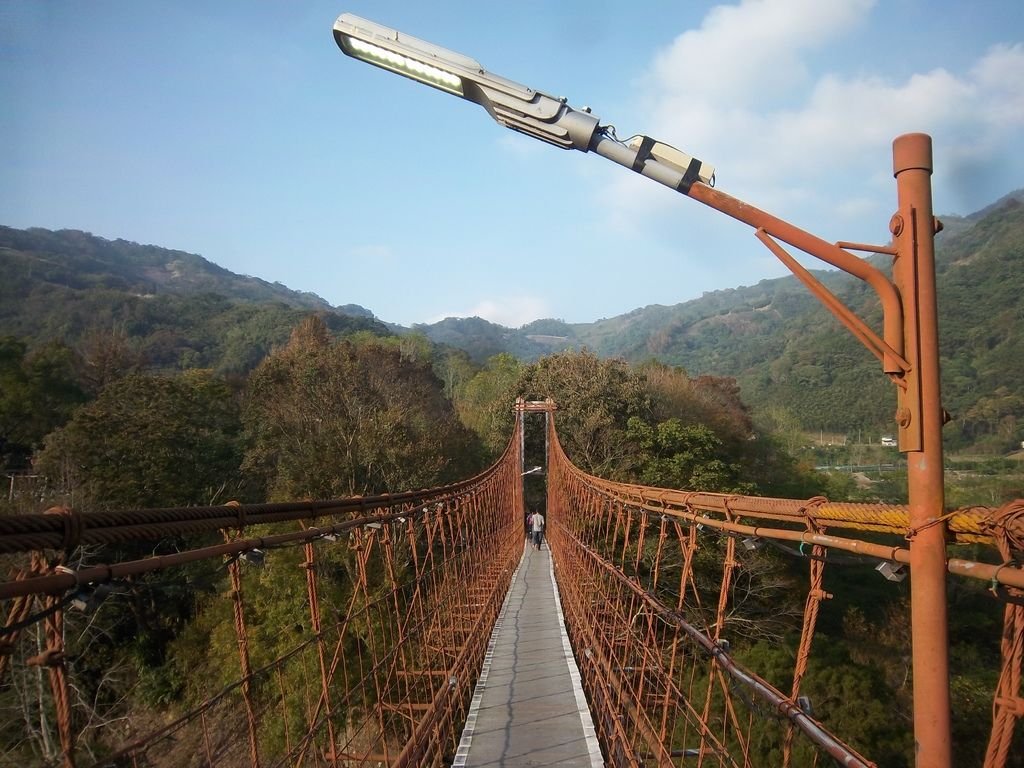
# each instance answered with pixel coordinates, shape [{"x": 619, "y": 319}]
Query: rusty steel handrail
[
  {"x": 967, "y": 525},
  {"x": 63, "y": 580},
  {"x": 64, "y": 528}
]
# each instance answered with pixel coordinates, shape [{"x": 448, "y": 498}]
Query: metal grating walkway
[{"x": 528, "y": 707}]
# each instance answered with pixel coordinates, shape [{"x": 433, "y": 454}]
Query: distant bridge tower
[{"x": 524, "y": 406}]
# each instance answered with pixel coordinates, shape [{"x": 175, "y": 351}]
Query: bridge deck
[{"x": 528, "y": 707}]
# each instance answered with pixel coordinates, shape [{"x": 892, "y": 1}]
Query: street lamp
[
  {"x": 513, "y": 105},
  {"x": 552, "y": 120},
  {"x": 531, "y": 471},
  {"x": 907, "y": 348}
]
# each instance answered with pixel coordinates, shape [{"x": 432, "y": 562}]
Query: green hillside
[
  {"x": 786, "y": 351},
  {"x": 177, "y": 309}
]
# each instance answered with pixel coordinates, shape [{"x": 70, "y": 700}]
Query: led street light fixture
[
  {"x": 804, "y": 702},
  {"x": 892, "y": 571},
  {"x": 403, "y": 65},
  {"x": 255, "y": 557},
  {"x": 88, "y": 600},
  {"x": 513, "y": 105}
]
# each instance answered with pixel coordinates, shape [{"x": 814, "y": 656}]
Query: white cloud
[
  {"x": 739, "y": 92},
  {"x": 1000, "y": 78},
  {"x": 752, "y": 51},
  {"x": 510, "y": 311}
]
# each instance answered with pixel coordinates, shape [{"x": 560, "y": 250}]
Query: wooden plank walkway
[{"x": 528, "y": 707}]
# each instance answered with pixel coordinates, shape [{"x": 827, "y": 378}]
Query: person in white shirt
[{"x": 537, "y": 525}]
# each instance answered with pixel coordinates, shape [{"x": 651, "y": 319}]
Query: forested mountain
[
  {"x": 173, "y": 309},
  {"x": 787, "y": 351},
  {"x": 79, "y": 260},
  {"x": 774, "y": 338},
  {"x": 483, "y": 339}
]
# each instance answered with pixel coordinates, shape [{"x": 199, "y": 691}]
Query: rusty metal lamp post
[{"x": 907, "y": 348}]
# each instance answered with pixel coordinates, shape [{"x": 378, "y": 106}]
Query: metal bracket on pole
[{"x": 903, "y": 226}]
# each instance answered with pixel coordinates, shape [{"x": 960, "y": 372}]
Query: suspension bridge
[{"x": 449, "y": 642}]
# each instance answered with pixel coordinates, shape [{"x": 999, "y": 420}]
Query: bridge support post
[{"x": 920, "y": 418}]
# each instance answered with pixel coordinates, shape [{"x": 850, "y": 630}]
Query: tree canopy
[
  {"x": 149, "y": 441},
  {"x": 332, "y": 418}
]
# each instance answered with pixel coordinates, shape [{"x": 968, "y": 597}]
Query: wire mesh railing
[
  {"x": 388, "y": 604},
  {"x": 671, "y": 597},
  {"x": 352, "y": 631}
]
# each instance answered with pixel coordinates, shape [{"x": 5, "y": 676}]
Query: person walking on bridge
[{"x": 537, "y": 524}]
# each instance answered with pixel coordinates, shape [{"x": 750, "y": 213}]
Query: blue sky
[{"x": 238, "y": 130}]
